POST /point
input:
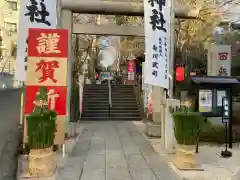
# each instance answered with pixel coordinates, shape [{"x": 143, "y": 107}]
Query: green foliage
[
  {"x": 216, "y": 134},
  {"x": 41, "y": 128},
  {"x": 41, "y": 123},
  {"x": 187, "y": 126}
]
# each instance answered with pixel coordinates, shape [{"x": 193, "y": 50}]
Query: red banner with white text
[{"x": 47, "y": 66}]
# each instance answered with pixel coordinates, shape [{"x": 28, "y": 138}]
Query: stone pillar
[
  {"x": 157, "y": 97},
  {"x": 66, "y": 23},
  {"x": 154, "y": 129},
  {"x": 168, "y": 136},
  {"x": 172, "y": 51}
]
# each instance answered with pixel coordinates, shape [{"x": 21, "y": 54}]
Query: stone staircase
[{"x": 96, "y": 104}]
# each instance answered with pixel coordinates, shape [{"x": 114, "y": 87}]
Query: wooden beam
[
  {"x": 103, "y": 30},
  {"x": 117, "y": 8}
]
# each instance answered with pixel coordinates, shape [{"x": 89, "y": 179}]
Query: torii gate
[
  {"x": 68, "y": 7},
  {"x": 108, "y": 8}
]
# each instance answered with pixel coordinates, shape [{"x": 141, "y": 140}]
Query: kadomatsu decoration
[
  {"x": 187, "y": 127},
  {"x": 41, "y": 123}
]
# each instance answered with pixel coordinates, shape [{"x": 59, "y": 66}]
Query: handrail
[{"x": 109, "y": 96}]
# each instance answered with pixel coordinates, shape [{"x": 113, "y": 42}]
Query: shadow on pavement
[{"x": 9, "y": 132}]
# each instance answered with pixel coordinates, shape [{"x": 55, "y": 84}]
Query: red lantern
[{"x": 180, "y": 73}]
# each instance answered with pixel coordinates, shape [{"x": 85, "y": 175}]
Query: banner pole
[{"x": 21, "y": 108}]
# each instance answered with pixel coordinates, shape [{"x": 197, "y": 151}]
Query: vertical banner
[
  {"x": 157, "y": 19},
  {"x": 33, "y": 14},
  {"x": 47, "y": 66},
  {"x": 131, "y": 69}
]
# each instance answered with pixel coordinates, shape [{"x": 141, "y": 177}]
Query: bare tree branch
[{"x": 191, "y": 35}]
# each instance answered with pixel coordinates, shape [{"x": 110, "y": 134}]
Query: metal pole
[
  {"x": 230, "y": 138},
  {"x": 22, "y": 120},
  {"x": 21, "y": 108},
  {"x": 226, "y": 138},
  {"x": 109, "y": 96},
  {"x": 172, "y": 62}
]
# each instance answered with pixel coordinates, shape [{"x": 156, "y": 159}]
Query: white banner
[
  {"x": 157, "y": 42},
  {"x": 33, "y": 14}
]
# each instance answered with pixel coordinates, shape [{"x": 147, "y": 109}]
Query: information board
[{"x": 205, "y": 100}]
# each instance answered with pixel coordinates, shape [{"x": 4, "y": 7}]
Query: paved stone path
[
  {"x": 9, "y": 132},
  {"x": 237, "y": 176},
  {"x": 114, "y": 151}
]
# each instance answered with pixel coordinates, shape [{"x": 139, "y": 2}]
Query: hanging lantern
[{"x": 180, "y": 74}]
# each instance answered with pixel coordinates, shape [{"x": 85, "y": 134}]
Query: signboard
[
  {"x": 225, "y": 110},
  {"x": 157, "y": 43},
  {"x": 223, "y": 56},
  {"x": 33, "y": 14},
  {"x": 205, "y": 100},
  {"x": 220, "y": 60},
  {"x": 105, "y": 76},
  {"x": 47, "y": 66}
]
